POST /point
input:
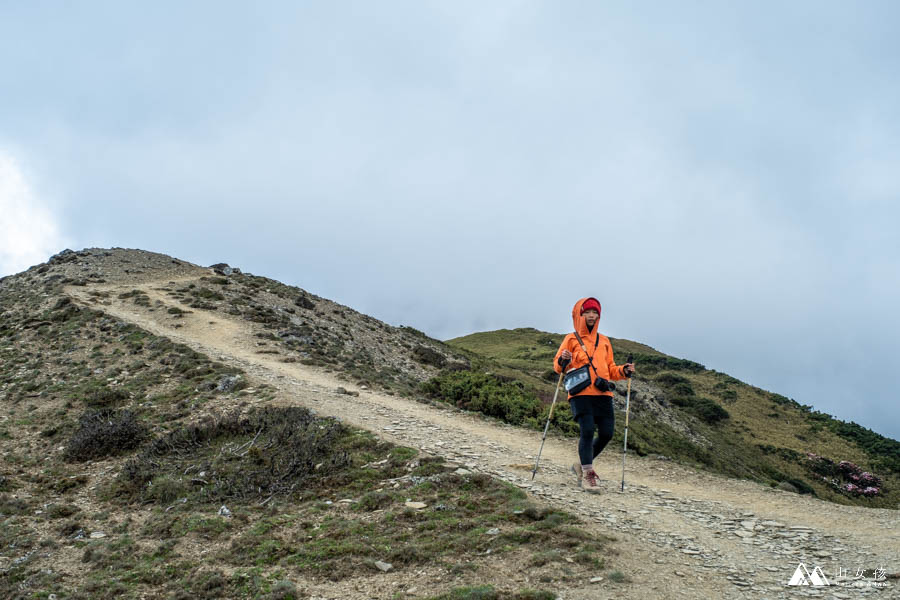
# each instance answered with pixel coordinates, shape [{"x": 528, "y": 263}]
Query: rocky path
[{"x": 680, "y": 533}]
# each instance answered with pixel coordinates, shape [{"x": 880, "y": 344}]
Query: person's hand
[
  {"x": 566, "y": 355},
  {"x": 564, "y": 359},
  {"x": 628, "y": 369}
]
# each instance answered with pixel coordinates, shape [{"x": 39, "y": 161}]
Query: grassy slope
[
  {"x": 152, "y": 471},
  {"x": 766, "y": 437}
]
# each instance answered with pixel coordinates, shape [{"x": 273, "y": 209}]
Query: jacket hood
[{"x": 578, "y": 319}]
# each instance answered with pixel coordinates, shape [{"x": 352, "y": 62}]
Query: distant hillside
[{"x": 691, "y": 414}]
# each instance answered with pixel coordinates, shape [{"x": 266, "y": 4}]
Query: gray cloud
[
  {"x": 30, "y": 228},
  {"x": 721, "y": 177}
]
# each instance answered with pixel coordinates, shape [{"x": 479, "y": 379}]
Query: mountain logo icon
[{"x": 802, "y": 576}]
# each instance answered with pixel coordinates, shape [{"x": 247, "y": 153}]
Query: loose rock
[{"x": 383, "y": 566}]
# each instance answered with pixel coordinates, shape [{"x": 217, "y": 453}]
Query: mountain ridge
[{"x": 172, "y": 345}]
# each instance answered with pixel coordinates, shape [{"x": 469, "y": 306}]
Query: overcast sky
[{"x": 724, "y": 177}]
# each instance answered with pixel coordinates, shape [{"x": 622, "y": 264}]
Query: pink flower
[{"x": 870, "y": 480}]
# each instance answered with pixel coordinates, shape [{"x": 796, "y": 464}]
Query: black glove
[
  {"x": 562, "y": 362},
  {"x": 628, "y": 371}
]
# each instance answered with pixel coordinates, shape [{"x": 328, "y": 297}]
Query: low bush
[
  {"x": 784, "y": 453},
  {"x": 670, "y": 379},
  {"x": 681, "y": 393},
  {"x": 97, "y": 393},
  {"x": 486, "y": 592},
  {"x": 103, "y": 433},
  {"x": 883, "y": 451},
  {"x": 682, "y": 389},
  {"x": 485, "y": 393},
  {"x": 723, "y": 391},
  {"x": 206, "y": 294},
  {"x": 728, "y": 395},
  {"x": 845, "y": 476},
  {"x": 264, "y": 452},
  {"x": 104, "y": 397},
  {"x": 802, "y": 486},
  {"x": 703, "y": 408},
  {"x": 429, "y": 356},
  {"x": 654, "y": 362},
  {"x": 303, "y": 301},
  {"x": 709, "y": 411}
]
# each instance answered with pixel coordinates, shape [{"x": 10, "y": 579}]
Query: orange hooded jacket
[{"x": 597, "y": 345}]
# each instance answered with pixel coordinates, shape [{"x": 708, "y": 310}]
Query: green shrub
[
  {"x": 283, "y": 590},
  {"x": 267, "y": 451},
  {"x": 670, "y": 379},
  {"x": 486, "y": 592},
  {"x": 60, "y": 511},
  {"x": 723, "y": 390},
  {"x": 665, "y": 362},
  {"x": 802, "y": 486},
  {"x": 729, "y": 395},
  {"x": 206, "y": 294},
  {"x": 485, "y": 393},
  {"x": 375, "y": 500},
  {"x": 106, "y": 554},
  {"x": 429, "y": 356},
  {"x": 682, "y": 389},
  {"x": 882, "y": 451},
  {"x": 104, "y": 397},
  {"x": 303, "y": 301},
  {"x": 780, "y": 400},
  {"x": 785, "y": 453},
  {"x": 165, "y": 489},
  {"x": 703, "y": 408},
  {"x": 95, "y": 393},
  {"x": 709, "y": 411}
]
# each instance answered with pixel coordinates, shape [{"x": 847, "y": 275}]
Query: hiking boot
[
  {"x": 591, "y": 483},
  {"x": 576, "y": 470}
]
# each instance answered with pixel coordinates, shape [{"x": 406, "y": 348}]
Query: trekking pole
[
  {"x": 547, "y": 426},
  {"x": 629, "y": 360}
]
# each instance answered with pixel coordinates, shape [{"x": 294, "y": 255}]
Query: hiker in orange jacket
[{"x": 591, "y": 401}]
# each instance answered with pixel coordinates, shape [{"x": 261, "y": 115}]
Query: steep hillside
[
  {"x": 174, "y": 431},
  {"x": 134, "y": 466},
  {"x": 296, "y": 325},
  {"x": 711, "y": 420}
]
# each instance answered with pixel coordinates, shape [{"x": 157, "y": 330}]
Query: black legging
[{"x": 603, "y": 420}]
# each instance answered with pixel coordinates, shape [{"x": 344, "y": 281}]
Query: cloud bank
[
  {"x": 722, "y": 176},
  {"x": 30, "y": 230}
]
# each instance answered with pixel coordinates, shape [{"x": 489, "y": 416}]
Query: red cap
[{"x": 589, "y": 304}]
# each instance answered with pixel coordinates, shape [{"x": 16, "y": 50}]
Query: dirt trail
[{"x": 681, "y": 533}]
